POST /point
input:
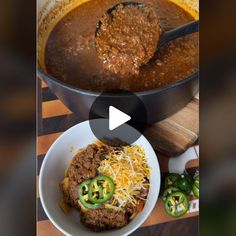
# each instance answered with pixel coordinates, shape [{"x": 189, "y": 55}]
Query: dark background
[
  {"x": 217, "y": 117},
  {"x": 217, "y": 121},
  {"x": 17, "y": 117}
]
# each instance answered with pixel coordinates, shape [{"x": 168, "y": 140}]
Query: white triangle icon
[{"x": 117, "y": 118}]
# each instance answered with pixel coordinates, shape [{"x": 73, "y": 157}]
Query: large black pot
[{"x": 160, "y": 103}]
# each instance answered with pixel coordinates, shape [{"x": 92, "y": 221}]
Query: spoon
[{"x": 167, "y": 36}]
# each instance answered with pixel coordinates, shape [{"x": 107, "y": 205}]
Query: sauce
[{"x": 71, "y": 56}]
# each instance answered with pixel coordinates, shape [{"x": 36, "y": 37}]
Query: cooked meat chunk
[
  {"x": 103, "y": 152},
  {"x": 73, "y": 192},
  {"x": 130, "y": 209},
  {"x": 84, "y": 165},
  {"x": 70, "y": 192},
  {"x": 127, "y": 39},
  {"x": 143, "y": 192},
  {"x": 103, "y": 218}
]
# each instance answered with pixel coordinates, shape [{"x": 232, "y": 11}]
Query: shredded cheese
[{"x": 129, "y": 170}]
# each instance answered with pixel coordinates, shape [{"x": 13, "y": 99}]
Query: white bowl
[{"x": 52, "y": 172}]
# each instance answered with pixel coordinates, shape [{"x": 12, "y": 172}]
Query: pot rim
[{"x": 42, "y": 74}]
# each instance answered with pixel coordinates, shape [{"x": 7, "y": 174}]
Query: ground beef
[
  {"x": 127, "y": 38},
  {"x": 70, "y": 192},
  {"x": 73, "y": 193},
  {"x": 83, "y": 166},
  {"x": 103, "y": 219}
]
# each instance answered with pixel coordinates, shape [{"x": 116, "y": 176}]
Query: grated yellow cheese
[{"x": 129, "y": 170}]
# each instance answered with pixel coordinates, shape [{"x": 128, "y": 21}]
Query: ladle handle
[{"x": 178, "y": 32}]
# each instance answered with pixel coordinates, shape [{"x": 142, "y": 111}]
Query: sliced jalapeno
[
  {"x": 83, "y": 195},
  {"x": 101, "y": 189},
  {"x": 196, "y": 180},
  {"x": 196, "y": 186},
  {"x": 176, "y": 204},
  {"x": 185, "y": 183},
  {"x": 171, "y": 179},
  {"x": 168, "y": 191}
]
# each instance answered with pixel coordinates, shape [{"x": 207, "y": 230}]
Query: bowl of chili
[{"x": 52, "y": 172}]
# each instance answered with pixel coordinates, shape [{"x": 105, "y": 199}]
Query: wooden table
[{"x": 53, "y": 119}]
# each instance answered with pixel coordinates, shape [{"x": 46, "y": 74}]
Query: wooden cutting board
[{"x": 177, "y": 133}]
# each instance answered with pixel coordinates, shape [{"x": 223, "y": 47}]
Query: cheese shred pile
[{"x": 129, "y": 170}]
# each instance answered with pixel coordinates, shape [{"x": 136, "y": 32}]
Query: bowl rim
[
  {"x": 41, "y": 73},
  {"x": 158, "y": 173}
]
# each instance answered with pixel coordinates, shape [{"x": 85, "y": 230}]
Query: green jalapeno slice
[
  {"x": 185, "y": 183},
  {"x": 83, "y": 195},
  {"x": 171, "y": 179},
  {"x": 169, "y": 191},
  {"x": 176, "y": 204},
  {"x": 101, "y": 189},
  {"x": 196, "y": 186}
]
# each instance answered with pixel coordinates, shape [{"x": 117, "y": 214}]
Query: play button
[{"x": 117, "y": 118}]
